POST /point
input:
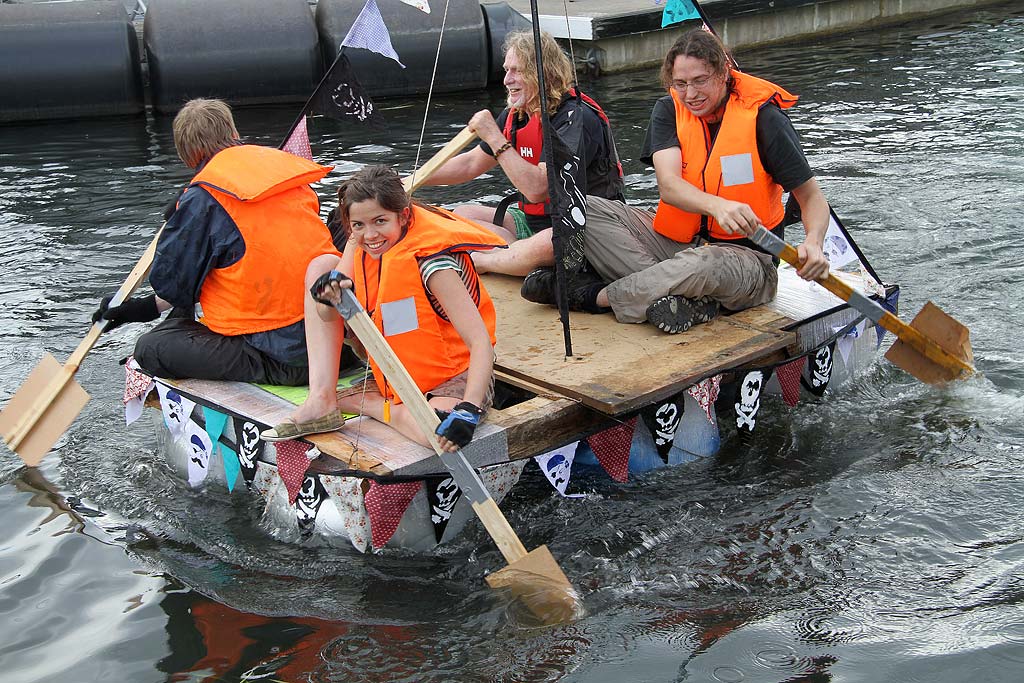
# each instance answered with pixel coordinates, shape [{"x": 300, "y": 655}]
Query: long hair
[
  {"x": 702, "y": 45},
  {"x": 557, "y": 68},
  {"x": 378, "y": 182},
  {"x": 202, "y": 128}
]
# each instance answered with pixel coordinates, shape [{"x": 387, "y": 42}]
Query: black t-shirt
[
  {"x": 778, "y": 144},
  {"x": 599, "y": 158}
]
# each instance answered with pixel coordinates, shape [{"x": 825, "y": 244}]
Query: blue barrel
[
  {"x": 72, "y": 59},
  {"x": 251, "y": 52},
  {"x": 464, "y": 59}
]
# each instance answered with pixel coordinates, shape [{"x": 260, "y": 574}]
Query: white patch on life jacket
[
  {"x": 399, "y": 316},
  {"x": 737, "y": 169}
]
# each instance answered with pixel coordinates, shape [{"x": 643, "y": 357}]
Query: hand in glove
[
  {"x": 140, "y": 309},
  {"x": 327, "y": 288},
  {"x": 457, "y": 427}
]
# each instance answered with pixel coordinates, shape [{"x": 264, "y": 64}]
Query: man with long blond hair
[
  {"x": 513, "y": 141},
  {"x": 231, "y": 260}
]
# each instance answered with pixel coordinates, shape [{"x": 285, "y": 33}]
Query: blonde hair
[
  {"x": 557, "y": 68},
  {"x": 202, "y": 128}
]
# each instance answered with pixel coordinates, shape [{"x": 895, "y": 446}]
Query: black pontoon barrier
[
  {"x": 61, "y": 60},
  {"x": 464, "y": 60},
  {"x": 500, "y": 20},
  {"x": 252, "y": 52}
]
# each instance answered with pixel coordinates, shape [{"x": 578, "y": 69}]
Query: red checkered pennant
[
  {"x": 386, "y": 503},
  {"x": 705, "y": 393},
  {"x": 135, "y": 383},
  {"x": 298, "y": 141},
  {"x": 612, "y": 449},
  {"x": 292, "y": 464},
  {"x": 789, "y": 380}
]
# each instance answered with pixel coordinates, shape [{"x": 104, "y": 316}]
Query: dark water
[{"x": 876, "y": 536}]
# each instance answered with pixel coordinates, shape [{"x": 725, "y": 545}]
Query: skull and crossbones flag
[
  {"x": 442, "y": 495},
  {"x": 662, "y": 419},
  {"x": 250, "y": 448},
  {"x": 749, "y": 390},
  {"x": 819, "y": 370},
  {"x": 312, "y": 495},
  {"x": 341, "y": 96}
]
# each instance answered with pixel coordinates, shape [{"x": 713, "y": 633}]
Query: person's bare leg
[
  {"x": 372, "y": 405},
  {"x": 325, "y": 331},
  {"x": 521, "y": 258},
  {"x": 484, "y": 217}
]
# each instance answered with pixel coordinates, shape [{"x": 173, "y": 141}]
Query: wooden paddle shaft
[
  {"x": 454, "y": 146},
  {"x": 463, "y": 474},
  {"x": 922, "y": 344},
  {"x": 28, "y": 420}
]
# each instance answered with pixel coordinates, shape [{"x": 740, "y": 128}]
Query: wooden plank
[
  {"x": 618, "y": 368},
  {"x": 542, "y": 424}
]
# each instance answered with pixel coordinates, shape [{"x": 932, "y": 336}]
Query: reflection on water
[{"x": 872, "y": 536}]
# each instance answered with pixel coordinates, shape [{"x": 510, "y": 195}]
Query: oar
[
  {"x": 454, "y": 146},
  {"x": 50, "y": 399},
  {"x": 934, "y": 347},
  {"x": 533, "y": 576}
]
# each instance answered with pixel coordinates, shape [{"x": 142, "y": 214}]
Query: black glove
[
  {"x": 139, "y": 309},
  {"x": 323, "y": 284},
  {"x": 458, "y": 426}
]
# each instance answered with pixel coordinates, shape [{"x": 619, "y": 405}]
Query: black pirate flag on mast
[
  {"x": 339, "y": 94},
  {"x": 563, "y": 157}
]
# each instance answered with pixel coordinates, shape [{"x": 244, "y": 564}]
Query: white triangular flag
[
  {"x": 557, "y": 467},
  {"x": 421, "y": 5},
  {"x": 199, "y": 447},
  {"x": 845, "y": 343},
  {"x": 837, "y": 248},
  {"x": 176, "y": 408}
]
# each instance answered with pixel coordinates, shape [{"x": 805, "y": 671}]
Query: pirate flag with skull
[
  {"x": 442, "y": 496},
  {"x": 311, "y": 496},
  {"x": 819, "y": 371},
  {"x": 250, "y": 448},
  {"x": 748, "y": 399}
]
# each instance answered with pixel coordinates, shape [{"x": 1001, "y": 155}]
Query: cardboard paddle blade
[
  {"x": 54, "y": 421},
  {"x": 539, "y": 582},
  {"x": 945, "y": 331}
]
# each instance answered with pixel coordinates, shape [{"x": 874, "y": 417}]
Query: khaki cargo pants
[{"x": 644, "y": 266}]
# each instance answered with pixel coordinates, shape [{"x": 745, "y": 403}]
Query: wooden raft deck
[{"x": 615, "y": 369}]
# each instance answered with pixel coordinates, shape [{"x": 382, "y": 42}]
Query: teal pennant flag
[
  {"x": 214, "y": 423},
  {"x": 678, "y": 10},
  {"x": 231, "y": 466}
]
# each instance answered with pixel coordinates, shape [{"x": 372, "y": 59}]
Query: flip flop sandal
[{"x": 290, "y": 429}]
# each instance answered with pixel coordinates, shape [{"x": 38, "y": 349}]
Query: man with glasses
[{"x": 723, "y": 152}]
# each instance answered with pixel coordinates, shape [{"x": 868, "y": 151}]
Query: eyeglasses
[{"x": 696, "y": 84}]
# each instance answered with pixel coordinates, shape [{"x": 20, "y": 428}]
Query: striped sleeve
[{"x": 429, "y": 266}]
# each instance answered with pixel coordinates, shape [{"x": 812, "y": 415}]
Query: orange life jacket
[
  {"x": 736, "y": 145},
  {"x": 266, "y": 193},
  {"x": 391, "y": 289}
]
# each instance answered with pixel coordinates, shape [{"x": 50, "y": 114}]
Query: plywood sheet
[{"x": 616, "y": 368}]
